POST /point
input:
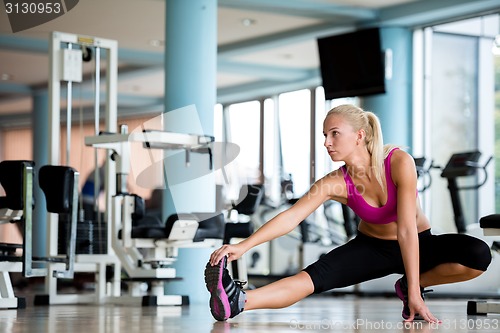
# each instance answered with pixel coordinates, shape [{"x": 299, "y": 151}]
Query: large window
[
  {"x": 272, "y": 169},
  {"x": 454, "y": 117},
  {"x": 295, "y": 129},
  {"x": 459, "y": 113},
  {"x": 243, "y": 121}
]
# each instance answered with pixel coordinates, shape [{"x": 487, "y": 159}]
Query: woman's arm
[
  {"x": 405, "y": 178},
  {"x": 282, "y": 223}
]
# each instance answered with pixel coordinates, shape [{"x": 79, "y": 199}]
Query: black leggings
[{"x": 365, "y": 258}]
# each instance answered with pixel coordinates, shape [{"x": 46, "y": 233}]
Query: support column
[
  {"x": 40, "y": 156},
  {"x": 394, "y": 107},
  {"x": 190, "y": 97}
]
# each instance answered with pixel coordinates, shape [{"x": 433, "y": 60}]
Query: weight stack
[{"x": 91, "y": 237}]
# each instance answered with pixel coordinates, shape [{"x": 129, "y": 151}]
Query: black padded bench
[
  {"x": 491, "y": 227},
  {"x": 60, "y": 187},
  {"x": 195, "y": 226},
  {"x": 8, "y": 252},
  {"x": 491, "y": 222}
]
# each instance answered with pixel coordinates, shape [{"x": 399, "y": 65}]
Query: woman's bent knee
[
  {"x": 306, "y": 282},
  {"x": 482, "y": 254}
]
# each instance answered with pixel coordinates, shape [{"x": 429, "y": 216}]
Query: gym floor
[{"x": 315, "y": 313}]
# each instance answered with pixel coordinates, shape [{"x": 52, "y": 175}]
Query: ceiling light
[
  {"x": 156, "y": 42},
  {"x": 247, "y": 22},
  {"x": 6, "y": 77},
  {"x": 495, "y": 49}
]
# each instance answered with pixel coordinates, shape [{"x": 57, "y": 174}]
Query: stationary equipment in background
[
  {"x": 423, "y": 172},
  {"x": 143, "y": 246},
  {"x": 146, "y": 247},
  {"x": 463, "y": 165},
  {"x": 491, "y": 227},
  {"x": 60, "y": 187},
  {"x": 67, "y": 53}
]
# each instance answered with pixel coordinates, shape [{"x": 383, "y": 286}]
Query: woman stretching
[{"x": 379, "y": 183}]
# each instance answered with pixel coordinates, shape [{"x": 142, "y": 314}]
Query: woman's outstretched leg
[
  {"x": 227, "y": 299},
  {"x": 281, "y": 293}
]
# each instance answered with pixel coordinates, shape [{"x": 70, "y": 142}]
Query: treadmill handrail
[{"x": 483, "y": 167}]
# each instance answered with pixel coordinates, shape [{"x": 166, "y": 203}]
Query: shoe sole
[{"x": 219, "y": 302}]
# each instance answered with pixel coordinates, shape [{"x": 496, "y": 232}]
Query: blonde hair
[{"x": 369, "y": 122}]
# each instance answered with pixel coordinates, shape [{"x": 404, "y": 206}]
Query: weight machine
[
  {"x": 66, "y": 53},
  {"x": 144, "y": 257},
  {"x": 60, "y": 187}
]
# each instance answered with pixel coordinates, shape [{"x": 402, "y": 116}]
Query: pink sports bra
[{"x": 376, "y": 215}]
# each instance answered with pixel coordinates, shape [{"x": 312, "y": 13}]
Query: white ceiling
[{"x": 275, "y": 53}]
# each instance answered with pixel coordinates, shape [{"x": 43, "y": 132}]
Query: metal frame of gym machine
[
  {"x": 144, "y": 259},
  {"x": 92, "y": 263}
]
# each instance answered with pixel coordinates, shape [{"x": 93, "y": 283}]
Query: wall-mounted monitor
[{"x": 352, "y": 64}]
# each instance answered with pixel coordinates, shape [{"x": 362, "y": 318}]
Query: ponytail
[{"x": 374, "y": 144}]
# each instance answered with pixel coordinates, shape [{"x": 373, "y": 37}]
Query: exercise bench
[
  {"x": 60, "y": 187},
  {"x": 491, "y": 227}
]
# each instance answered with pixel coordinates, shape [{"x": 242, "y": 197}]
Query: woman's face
[{"x": 340, "y": 137}]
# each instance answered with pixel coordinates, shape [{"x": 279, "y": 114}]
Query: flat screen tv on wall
[{"x": 352, "y": 64}]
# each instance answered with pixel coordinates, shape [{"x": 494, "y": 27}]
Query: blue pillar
[
  {"x": 190, "y": 97},
  {"x": 394, "y": 107},
  {"x": 40, "y": 122}
]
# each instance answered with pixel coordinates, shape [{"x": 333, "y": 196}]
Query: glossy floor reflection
[{"x": 319, "y": 313}]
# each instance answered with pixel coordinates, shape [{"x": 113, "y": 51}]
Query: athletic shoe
[
  {"x": 227, "y": 299},
  {"x": 401, "y": 287}
]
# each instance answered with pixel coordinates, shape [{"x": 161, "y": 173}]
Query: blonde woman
[{"x": 380, "y": 184}]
